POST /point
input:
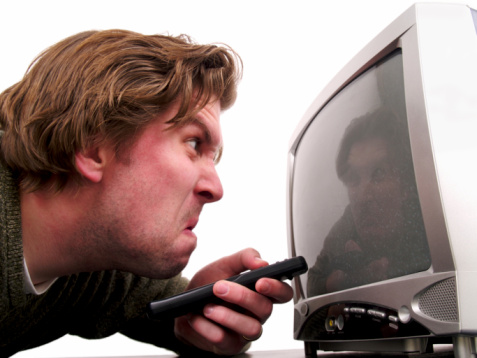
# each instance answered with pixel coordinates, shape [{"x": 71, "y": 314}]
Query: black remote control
[{"x": 196, "y": 299}]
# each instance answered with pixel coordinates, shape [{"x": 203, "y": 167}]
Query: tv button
[
  {"x": 377, "y": 314},
  {"x": 393, "y": 319},
  {"x": 404, "y": 314},
  {"x": 340, "y": 322}
]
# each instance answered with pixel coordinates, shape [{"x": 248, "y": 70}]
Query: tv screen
[
  {"x": 382, "y": 200},
  {"x": 357, "y": 217}
]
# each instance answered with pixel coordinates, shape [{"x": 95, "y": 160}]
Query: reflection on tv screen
[{"x": 356, "y": 212}]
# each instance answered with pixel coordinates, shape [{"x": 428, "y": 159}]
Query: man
[{"x": 108, "y": 156}]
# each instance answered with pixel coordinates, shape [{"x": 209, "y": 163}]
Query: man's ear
[{"x": 91, "y": 162}]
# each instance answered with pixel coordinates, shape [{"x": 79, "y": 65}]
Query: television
[{"x": 382, "y": 193}]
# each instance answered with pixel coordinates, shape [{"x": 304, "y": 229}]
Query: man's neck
[{"x": 50, "y": 223}]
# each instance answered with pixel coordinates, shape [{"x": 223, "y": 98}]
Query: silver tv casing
[{"x": 439, "y": 49}]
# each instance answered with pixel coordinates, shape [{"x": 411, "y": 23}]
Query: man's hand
[
  {"x": 227, "y": 329},
  {"x": 373, "y": 271}
]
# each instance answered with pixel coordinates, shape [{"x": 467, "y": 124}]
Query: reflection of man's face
[{"x": 374, "y": 190}]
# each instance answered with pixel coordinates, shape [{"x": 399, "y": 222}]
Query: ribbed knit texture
[{"x": 11, "y": 244}]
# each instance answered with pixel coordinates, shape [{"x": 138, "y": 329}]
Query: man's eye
[{"x": 194, "y": 143}]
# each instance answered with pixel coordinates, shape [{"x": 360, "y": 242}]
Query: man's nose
[
  {"x": 363, "y": 191},
  {"x": 209, "y": 185}
]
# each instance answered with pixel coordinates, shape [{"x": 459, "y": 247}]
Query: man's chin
[
  {"x": 162, "y": 268},
  {"x": 176, "y": 265},
  {"x": 167, "y": 272},
  {"x": 172, "y": 261}
]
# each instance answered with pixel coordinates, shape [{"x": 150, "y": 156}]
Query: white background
[{"x": 290, "y": 51}]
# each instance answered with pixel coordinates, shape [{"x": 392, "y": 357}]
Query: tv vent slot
[{"x": 440, "y": 301}]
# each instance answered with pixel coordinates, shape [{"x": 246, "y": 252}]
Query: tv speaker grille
[{"x": 440, "y": 301}]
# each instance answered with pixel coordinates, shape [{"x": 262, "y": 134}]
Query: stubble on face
[
  {"x": 149, "y": 204},
  {"x": 144, "y": 253}
]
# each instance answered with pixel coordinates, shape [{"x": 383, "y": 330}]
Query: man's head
[
  {"x": 105, "y": 86},
  {"x": 375, "y": 164}
]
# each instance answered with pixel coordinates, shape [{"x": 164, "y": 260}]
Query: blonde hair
[{"x": 105, "y": 86}]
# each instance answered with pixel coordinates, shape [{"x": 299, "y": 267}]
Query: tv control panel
[{"x": 359, "y": 321}]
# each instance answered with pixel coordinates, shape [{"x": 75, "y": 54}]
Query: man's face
[
  {"x": 151, "y": 200},
  {"x": 375, "y": 191}
]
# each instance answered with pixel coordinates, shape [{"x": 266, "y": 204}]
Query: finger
[
  {"x": 184, "y": 331},
  {"x": 242, "y": 324},
  {"x": 247, "y": 259},
  {"x": 207, "y": 335},
  {"x": 278, "y": 291},
  {"x": 257, "y": 304}
]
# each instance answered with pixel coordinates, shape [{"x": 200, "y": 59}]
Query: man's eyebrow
[
  {"x": 208, "y": 137},
  {"x": 205, "y": 129}
]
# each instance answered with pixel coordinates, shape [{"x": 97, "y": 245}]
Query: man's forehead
[
  {"x": 196, "y": 109},
  {"x": 209, "y": 117}
]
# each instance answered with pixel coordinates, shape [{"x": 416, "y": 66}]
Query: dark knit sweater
[{"x": 90, "y": 305}]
